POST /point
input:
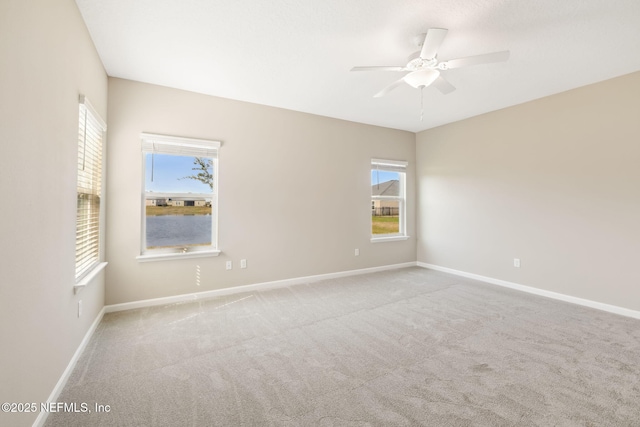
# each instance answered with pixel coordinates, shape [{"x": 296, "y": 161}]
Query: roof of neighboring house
[
  {"x": 387, "y": 188},
  {"x": 184, "y": 199},
  {"x": 166, "y": 196}
]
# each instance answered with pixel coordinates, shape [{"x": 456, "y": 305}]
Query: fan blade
[
  {"x": 381, "y": 68},
  {"x": 432, "y": 42},
  {"x": 389, "y": 88},
  {"x": 487, "y": 58},
  {"x": 443, "y": 85}
]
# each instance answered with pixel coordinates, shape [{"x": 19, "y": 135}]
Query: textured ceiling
[{"x": 296, "y": 54}]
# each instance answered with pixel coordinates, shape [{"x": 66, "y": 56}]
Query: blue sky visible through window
[
  {"x": 167, "y": 171},
  {"x": 378, "y": 177}
]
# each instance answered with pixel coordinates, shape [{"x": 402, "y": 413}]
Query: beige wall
[
  {"x": 554, "y": 182},
  {"x": 294, "y": 196},
  {"x": 46, "y": 60}
]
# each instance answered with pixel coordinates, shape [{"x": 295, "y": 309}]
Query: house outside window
[
  {"x": 179, "y": 197},
  {"x": 388, "y": 200}
]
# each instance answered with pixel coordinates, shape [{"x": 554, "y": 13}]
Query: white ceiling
[{"x": 296, "y": 54}]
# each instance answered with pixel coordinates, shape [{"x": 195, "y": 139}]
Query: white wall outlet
[
  {"x": 516, "y": 262},
  {"x": 243, "y": 263},
  {"x": 229, "y": 265},
  {"x": 79, "y": 308},
  {"x": 357, "y": 252}
]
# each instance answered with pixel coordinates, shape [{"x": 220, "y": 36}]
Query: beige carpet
[{"x": 399, "y": 348}]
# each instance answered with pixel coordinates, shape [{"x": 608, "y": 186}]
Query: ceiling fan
[{"x": 424, "y": 67}]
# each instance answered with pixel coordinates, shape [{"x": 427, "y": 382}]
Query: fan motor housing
[{"x": 415, "y": 62}]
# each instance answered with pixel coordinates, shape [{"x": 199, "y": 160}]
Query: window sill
[
  {"x": 170, "y": 256},
  {"x": 388, "y": 239},
  {"x": 89, "y": 277}
]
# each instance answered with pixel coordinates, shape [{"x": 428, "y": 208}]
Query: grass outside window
[{"x": 385, "y": 224}]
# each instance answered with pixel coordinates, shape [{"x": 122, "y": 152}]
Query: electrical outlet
[
  {"x": 516, "y": 262},
  {"x": 357, "y": 252},
  {"x": 243, "y": 263},
  {"x": 79, "y": 308},
  {"x": 229, "y": 265}
]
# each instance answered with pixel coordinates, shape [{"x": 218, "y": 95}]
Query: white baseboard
[
  {"x": 42, "y": 417},
  {"x": 531, "y": 290},
  {"x": 249, "y": 288}
]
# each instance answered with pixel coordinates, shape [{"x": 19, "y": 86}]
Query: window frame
[
  {"x": 87, "y": 116},
  {"x": 400, "y": 167},
  {"x": 190, "y": 144}
]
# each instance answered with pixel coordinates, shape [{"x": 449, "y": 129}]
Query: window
[
  {"x": 89, "y": 190},
  {"x": 388, "y": 182},
  {"x": 179, "y": 197}
]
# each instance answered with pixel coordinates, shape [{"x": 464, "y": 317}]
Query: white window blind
[
  {"x": 161, "y": 144},
  {"x": 89, "y": 189},
  {"x": 389, "y": 165}
]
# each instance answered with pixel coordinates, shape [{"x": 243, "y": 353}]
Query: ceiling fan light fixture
[{"x": 421, "y": 78}]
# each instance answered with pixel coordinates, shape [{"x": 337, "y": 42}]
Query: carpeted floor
[{"x": 398, "y": 348}]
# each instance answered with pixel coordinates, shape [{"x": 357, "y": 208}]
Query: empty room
[{"x": 320, "y": 213}]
